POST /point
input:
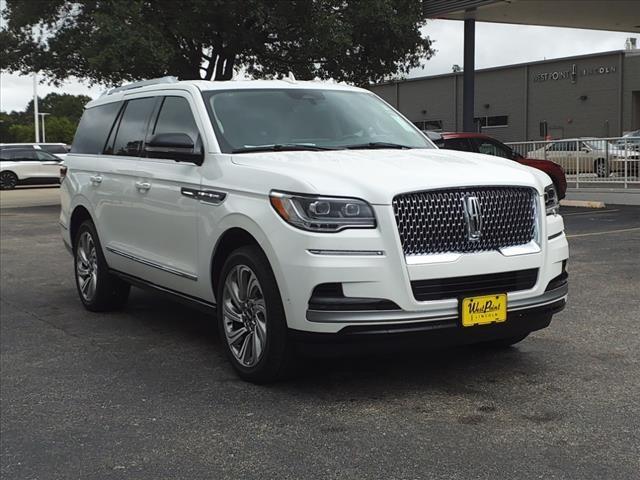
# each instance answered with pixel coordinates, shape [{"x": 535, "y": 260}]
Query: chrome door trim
[
  {"x": 149, "y": 263},
  {"x": 207, "y": 196}
]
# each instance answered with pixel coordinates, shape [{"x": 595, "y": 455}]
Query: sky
[{"x": 496, "y": 44}]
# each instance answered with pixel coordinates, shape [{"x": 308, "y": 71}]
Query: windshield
[{"x": 281, "y": 119}]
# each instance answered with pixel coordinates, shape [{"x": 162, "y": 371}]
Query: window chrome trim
[
  {"x": 355, "y": 253},
  {"x": 149, "y": 263}
]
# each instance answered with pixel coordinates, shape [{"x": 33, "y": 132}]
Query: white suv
[{"x": 303, "y": 212}]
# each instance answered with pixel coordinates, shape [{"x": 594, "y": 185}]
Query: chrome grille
[{"x": 434, "y": 221}]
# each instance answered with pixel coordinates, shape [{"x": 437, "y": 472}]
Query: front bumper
[
  {"x": 386, "y": 274},
  {"x": 429, "y": 334}
]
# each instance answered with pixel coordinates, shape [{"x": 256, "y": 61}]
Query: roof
[{"x": 204, "y": 86}]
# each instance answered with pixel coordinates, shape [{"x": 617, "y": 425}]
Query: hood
[{"x": 378, "y": 175}]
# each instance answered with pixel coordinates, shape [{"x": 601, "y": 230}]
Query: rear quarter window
[{"x": 94, "y": 128}]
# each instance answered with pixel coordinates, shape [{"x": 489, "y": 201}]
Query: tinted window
[
  {"x": 46, "y": 157},
  {"x": 461, "y": 144},
  {"x": 492, "y": 148},
  {"x": 176, "y": 117},
  {"x": 133, "y": 126},
  {"x": 22, "y": 155},
  {"x": 54, "y": 148},
  {"x": 95, "y": 125}
]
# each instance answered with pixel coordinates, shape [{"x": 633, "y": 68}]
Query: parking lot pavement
[
  {"x": 146, "y": 393},
  {"x": 30, "y": 196}
]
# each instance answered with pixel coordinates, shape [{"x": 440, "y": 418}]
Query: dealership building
[{"x": 594, "y": 95}]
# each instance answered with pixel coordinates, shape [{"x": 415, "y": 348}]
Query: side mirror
[{"x": 174, "y": 146}]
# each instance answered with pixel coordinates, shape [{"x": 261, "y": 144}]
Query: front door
[{"x": 167, "y": 213}]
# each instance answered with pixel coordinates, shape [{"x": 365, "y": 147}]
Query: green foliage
[
  {"x": 111, "y": 41},
  {"x": 60, "y": 126}
]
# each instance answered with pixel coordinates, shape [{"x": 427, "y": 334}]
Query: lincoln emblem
[{"x": 473, "y": 217}]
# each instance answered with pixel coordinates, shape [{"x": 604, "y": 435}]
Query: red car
[{"x": 479, "y": 143}]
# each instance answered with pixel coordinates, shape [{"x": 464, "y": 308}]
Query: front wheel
[
  {"x": 99, "y": 290},
  {"x": 251, "y": 317}
]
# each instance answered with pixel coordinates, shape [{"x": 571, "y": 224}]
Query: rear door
[
  {"x": 166, "y": 206},
  {"x": 27, "y": 163},
  {"x": 117, "y": 201},
  {"x": 49, "y": 164}
]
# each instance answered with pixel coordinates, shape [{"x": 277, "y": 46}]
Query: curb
[{"x": 582, "y": 203}]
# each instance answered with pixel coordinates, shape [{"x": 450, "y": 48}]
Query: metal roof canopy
[{"x": 611, "y": 15}]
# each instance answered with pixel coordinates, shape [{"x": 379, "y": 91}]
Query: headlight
[
  {"x": 322, "y": 214},
  {"x": 551, "y": 202}
]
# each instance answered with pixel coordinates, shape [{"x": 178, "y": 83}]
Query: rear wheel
[
  {"x": 99, "y": 290},
  {"x": 8, "y": 180},
  {"x": 251, "y": 317}
]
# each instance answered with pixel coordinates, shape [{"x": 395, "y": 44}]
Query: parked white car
[
  {"x": 27, "y": 166},
  {"x": 60, "y": 150},
  {"x": 588, "y": 155},
  {"x": 306, "y": 211}
]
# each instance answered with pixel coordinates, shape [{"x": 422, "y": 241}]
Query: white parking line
[
  {"x": 603, "y": 233},
  {"x": 588, "y": 213}
]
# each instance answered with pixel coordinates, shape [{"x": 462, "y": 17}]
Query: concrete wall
[{"x": 581, "y": 96}]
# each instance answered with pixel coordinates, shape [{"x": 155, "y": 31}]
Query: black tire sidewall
[
  {"x": 110, "y": 292},
  {"x": 276, "y": 350},
  {"x": 15, "y": 180}
]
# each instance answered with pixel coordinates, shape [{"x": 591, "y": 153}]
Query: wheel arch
[
  {"x": 78, "y": 216},
  {"x": 232, "y": 239}
]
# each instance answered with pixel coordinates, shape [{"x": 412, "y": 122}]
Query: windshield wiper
[
  {"x": 372, "y": 145},
  {"x": 279, "y": 147}
]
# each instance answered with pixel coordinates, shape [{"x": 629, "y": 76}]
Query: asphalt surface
[{"x": 146, "y": 393}]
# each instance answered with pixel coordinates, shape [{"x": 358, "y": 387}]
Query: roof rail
[{"x": 143, "y": 83}]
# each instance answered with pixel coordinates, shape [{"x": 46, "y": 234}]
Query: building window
[
  {"x": 434, "y": 125},
  {"x": 493, "y": 121}
]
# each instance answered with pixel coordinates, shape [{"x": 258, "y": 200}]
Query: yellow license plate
[{"x": 484, "y": 309}]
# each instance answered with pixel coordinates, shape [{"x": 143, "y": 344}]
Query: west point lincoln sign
[{"x": 573, "y": 73}]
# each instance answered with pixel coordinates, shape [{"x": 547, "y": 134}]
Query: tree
[
  {"x": 110, "y": 41},
  {"x": 64, "y": 113}
]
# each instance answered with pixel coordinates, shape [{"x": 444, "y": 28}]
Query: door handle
[
  {"x": 144, "y": 186},
  {"x": 96, "y": 179}
]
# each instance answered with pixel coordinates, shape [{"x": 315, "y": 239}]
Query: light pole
[
  {"x": 44, "y": 135},
  {"x": 35, "y": 106}
]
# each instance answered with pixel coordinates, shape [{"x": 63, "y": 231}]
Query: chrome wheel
[
  {"x": 87, "y": 266},
  {"x": 244, "y": 315}
]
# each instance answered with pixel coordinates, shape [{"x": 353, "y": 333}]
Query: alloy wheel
[
  {"x": 8, "y": 180},
  {"x": 244, "y": 315},
  {"x": 87, "y": 266}
]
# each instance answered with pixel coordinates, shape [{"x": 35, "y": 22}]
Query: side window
[
  {"x": 94, "y": 127},
  {"x": 175, "y": 117},
  {"x": 24, "y": 155},
  {"x": 46, "y": 157},
  {"x": 461, "y": 144},
  {"x": 54, "y": 148},
  {"x": 133, "y": 126},
  {"x": 491, "y": 148}
]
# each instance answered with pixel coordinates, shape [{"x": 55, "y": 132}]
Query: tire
[
  {"x": 98, "y": 290},
  {"x": 503, "y": 342},
  {"x": 251, "y": 318},
  {"x": 8, "y": 180},
  {"x": 601, "y": 168}
]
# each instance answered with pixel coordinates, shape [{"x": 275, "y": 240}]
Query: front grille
[
  {"x": 434, "y": 221},
  {"x": 456, "y": 287}
]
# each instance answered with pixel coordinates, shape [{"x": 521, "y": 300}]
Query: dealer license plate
[{"x": 484, "y": 309}]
